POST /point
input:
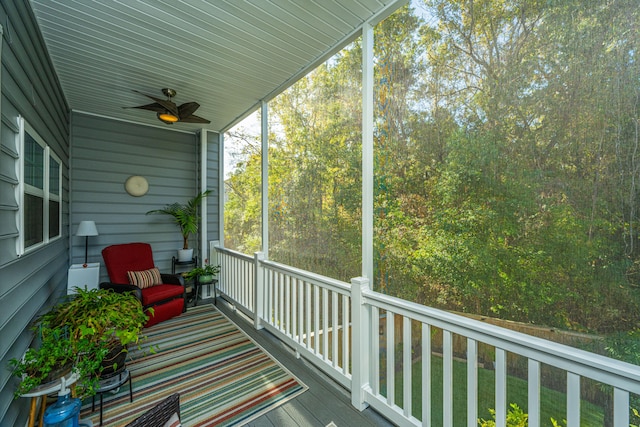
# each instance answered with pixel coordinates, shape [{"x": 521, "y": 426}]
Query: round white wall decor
[{"x": 136, "y": 185}]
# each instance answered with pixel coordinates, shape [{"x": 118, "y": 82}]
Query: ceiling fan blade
[
  {"x": 168, "y": 105},
  {"x": 194, "y": 119},
  {"x": 152, "y": 107},
  {"x": 187, "y": 109}
]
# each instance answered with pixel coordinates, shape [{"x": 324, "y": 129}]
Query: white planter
[{"x": 185, "y": 255}]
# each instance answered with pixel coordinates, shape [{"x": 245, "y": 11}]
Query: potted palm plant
[
  {"x": 90, "y": 330},
  {"x": 185, "y": 215}
]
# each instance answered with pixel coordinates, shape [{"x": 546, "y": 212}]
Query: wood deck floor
[{"x": 324, "y": 403}]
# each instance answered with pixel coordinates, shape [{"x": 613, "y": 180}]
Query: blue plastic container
[{"x": 65, "y": 412}]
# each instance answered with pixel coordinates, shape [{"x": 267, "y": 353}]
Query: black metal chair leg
[
  {"x": 101, "y": 408},
  {"x": 130, "y": 389}
]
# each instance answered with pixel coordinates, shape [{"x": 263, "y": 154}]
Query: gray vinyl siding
[
  {"x": 98, "y": 155},
  {"x": 30, "y": 89},
  {"x": 105, "y": 152}
]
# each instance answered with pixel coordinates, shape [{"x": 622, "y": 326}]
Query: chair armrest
[
  {"x": 122, "y": 288},
  {"x": 172, "y": 279}
]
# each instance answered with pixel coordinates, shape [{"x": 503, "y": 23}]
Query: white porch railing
[{"x": 337, "y": 326}]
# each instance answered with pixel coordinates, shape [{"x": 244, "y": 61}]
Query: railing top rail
[
  {"x": 622, "y": 375},
  {"x": 235, "y": 254},
  {"x": 333, "y": 284}
]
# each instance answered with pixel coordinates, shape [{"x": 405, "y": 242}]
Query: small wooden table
[{"x": 43, "y": 391}]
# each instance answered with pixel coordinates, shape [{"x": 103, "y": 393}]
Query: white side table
[
  {"x": 83, "y": 277},
  {"x": 41, "y": 392}
]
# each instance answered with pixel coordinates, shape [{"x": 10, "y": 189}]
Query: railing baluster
[
  {"x": 501, "y": 387},
  {"x": 325, "y": 324},
  {"x": 248, "y": 287},
  {"x": 273, "y": 299},
  {"x": 240, "y": 289},
  {"x": 533, "y": 378},
  {"x": 281, "y": 302},
  {"x": 226, "y": 274},
  {"x": 391, "y": 362},
  {"x": 472, "y": 383},
  {"x": 301, "y": 299},
  {"x": 278, "y": 302},
  {"x": 573, "y": 400},
  {"x": 334, "y": 327},
  {"x": 287, "y": 304},
  {"x": 346, "y": 335},
  {"x": 447, "y": 378},
  {"x": 294, "y": 308},
  {"x": 375, "y": 351},
  {"x": 316, "y": 319},
  {"x": 258, "y": 277},
  {"x": 620, "y": 408},
  {"x": 239, "y": 294},
  {"x": 270, "y": 296},
  {"x": 406, "y": 365},
  {"x": 237, "y": 272},
  {"x": 274, "y": 288},
  {"x": 308, "y": 314},
  {"x": 426, "y": 375}
]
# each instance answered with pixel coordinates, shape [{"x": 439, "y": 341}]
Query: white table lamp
[{"x": 86, "y": 229}]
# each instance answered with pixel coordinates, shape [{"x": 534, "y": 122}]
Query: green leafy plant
[
  {"x": 205, "y": 270},
  {"x": 87, "y": 329},
  {"x": 53, "y": 358},
  {"x": 185, "y": 215},
  {"x": 556, "y": 423},
  {"x": 635, "y": 414},
  {"x": 515, "y": 418}
]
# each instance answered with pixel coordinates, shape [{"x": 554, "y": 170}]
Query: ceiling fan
[{"x": 168, "y": 112}]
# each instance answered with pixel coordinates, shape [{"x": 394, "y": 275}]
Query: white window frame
[{"x": 45, "y": 193}]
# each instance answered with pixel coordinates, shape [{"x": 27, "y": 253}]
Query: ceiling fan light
[{"x": 167, "y": 117}]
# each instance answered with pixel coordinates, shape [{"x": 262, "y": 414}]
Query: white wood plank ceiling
[{"x": 227, "y": 55}]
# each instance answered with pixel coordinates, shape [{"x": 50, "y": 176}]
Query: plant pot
[
  {"x": 116, "y": 356},
  {"x": 185, "y": 255},
  {"x": 205, "y": 279},
  {"x": 53, "y": 378}
]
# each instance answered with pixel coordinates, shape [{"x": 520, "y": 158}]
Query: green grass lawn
[{"x": 552, "y": 403}]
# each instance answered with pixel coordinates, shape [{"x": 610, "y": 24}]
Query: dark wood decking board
[{"x": 323, "y": 403}]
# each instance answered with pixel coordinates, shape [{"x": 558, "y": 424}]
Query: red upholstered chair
[{"x": 167, "y": 297}]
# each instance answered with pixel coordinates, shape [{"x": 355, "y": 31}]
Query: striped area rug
[{"x": 223, "y": 377}]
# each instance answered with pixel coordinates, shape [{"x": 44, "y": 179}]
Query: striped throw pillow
[{"x": 145, "y": 279}]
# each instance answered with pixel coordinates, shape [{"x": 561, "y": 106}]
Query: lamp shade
[{"x": 87, "y": 228}]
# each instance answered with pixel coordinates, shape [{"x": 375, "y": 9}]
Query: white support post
[
  {"x": 221, "y": 188},
  {"x": 361, "y": 328},
  {"x": 258, "y": 291},
  {"x": 204, "y": 211},
  {"x": 367, "y": 151},
  {"x": 264, "y": 117}
]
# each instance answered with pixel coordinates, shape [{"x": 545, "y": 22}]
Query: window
[{"x": 40, "y": 204}]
